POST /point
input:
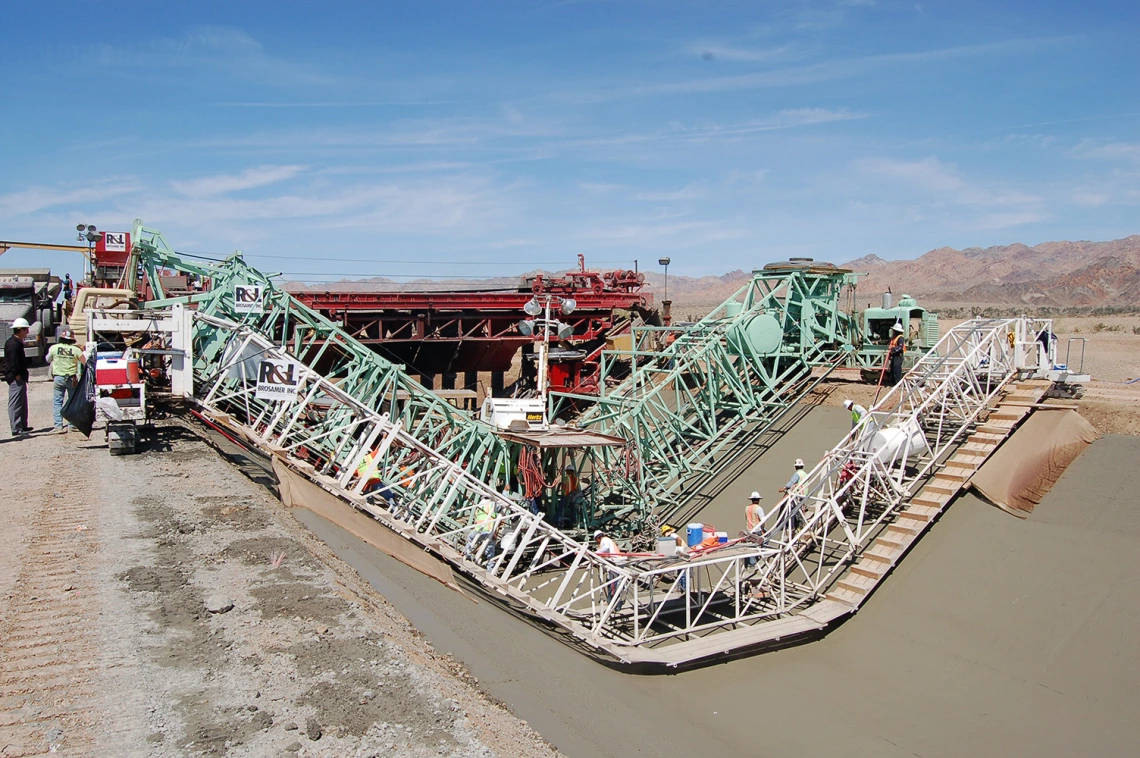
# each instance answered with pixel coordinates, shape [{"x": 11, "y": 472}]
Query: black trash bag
[{"x": 80, "y": 408}]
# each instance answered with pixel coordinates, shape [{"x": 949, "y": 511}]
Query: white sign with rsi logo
[
  {"x": 277, "y": 380},
  {"x": 115, "y": 242},
  {"x": 249, "y": 298}
]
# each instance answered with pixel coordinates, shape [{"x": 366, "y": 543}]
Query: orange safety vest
[{"x": 569, "y": 483}]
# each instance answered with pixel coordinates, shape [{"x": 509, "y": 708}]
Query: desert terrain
[{"x": 168, "y": 604}]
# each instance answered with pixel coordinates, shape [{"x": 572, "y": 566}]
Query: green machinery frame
[
  {"x": 692, "y": 394},
  {"x": 321, "y": 345},
  {"x": 686, "y": 405}
]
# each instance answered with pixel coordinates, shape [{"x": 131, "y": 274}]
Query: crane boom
[{"x": 5, "y": 246}]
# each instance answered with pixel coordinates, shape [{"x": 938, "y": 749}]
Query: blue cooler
[{"x": 694, "y": 534}]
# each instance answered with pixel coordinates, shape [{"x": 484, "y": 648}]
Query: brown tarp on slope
[
  {"x": 298, "y": 492},
  {"x": 1029, "y": 463}
]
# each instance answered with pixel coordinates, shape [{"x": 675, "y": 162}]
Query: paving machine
[{"x": 141, "y": 358}]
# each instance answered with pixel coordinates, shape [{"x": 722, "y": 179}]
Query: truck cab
[{"x": 29, "y": 294}]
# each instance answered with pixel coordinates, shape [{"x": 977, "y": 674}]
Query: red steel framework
[{"x": 465, "y": 332}]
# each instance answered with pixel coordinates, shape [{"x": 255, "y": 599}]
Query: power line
[
  {"x": 526, "y": 262},
  {"x": 352, "y": 275}
]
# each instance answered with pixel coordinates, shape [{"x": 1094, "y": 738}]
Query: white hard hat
[
  {"x": 755, "y": 496},
  {"x": 599, "y": 533},
  {"x": 898, "y": 327},
  {"x": 21, "y": 323},
  {"x": 799, "y": 462},
  {"x": 847, "y": 403}
]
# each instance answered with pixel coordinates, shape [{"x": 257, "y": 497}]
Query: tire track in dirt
[{"x": 47, "y": 649}]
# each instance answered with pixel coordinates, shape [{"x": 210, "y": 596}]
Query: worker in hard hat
[
  {"x": 66, "y": 367},
  {"x": 680, "y": 550},
  {"x": 754, "y": 519},
  {"x": 480, "y": 534},
  {"x": 895, "y": 351},
  {"x": 608, "y": 548},
  {"x": 857, "y": 411},
  {"x": 16, "y": 375},
  {"x": 795, "y": 490},
  {"x": 680, "y": 547},
  {"x": 754, "y": 513}
]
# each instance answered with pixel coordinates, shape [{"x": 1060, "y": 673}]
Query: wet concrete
[{"x": 995, "y": 636}]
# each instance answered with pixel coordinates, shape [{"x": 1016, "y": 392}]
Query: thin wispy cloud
[
  {"x": 210, "y": 48},
  {"x": 1108, "y": 151},
  {"x": 934, "y": 184},
  {"x": 802, "y": 75},
  {"x": 37, "y": 198},
  {"x": 224, "y": 184}
]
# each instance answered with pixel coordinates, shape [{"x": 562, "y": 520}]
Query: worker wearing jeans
[
  {"x": 15, "y": 371},
  {"x": 66, "y": 364}
]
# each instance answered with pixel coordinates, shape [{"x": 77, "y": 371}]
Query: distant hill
[{"x": 1052, "y": 273}]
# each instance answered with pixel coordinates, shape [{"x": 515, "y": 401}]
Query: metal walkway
[{"x": 825, "y": 547}]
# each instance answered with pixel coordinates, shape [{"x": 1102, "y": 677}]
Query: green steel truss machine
[{"x": 685, "y": 399}]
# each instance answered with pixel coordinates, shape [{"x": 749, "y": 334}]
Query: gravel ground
[{"x": 164, "y": 604}]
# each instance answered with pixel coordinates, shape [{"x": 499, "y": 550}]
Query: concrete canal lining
[{"x": 995, "y": 636}]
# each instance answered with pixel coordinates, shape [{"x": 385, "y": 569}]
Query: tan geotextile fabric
[
  {"x": 1029, "y": 463},
  {"x": 298, "y": 492}
]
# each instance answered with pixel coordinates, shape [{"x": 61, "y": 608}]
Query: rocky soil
[{"x": 163, "y": 604}]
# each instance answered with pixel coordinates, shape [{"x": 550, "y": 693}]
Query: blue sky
[{"x": 479, "y": 138}]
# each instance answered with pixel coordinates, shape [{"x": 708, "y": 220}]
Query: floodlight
[
  {"x": 91, "y": 228},
  {"x": 532, "y": 307},
  {"x": 663, "y": 261},
  {"x": 80, "y": 227},
  {"x": 565, "y": 331},
  {"x": 568, "y": 306},
  {"x": 526, "y": 328}
]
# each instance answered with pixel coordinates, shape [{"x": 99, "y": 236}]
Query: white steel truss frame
[{"x": 635, "y": 608}]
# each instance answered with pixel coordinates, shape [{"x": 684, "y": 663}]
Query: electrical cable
[{"x": 526, "y": 262}]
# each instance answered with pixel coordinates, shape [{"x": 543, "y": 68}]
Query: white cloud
[
  {"x": 938, "y": 190},
  {"x": 224, "y": 184},
  {"x": 798, "y": 76},
  {"x": 211, "y": 48},
  {"x": 34, "y": 199},
  {"x": 1109, "y": 151},
  {"x": 928, "y": 174}
]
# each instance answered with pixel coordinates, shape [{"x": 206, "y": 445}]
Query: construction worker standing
[
  {"x": 794, "y": 488},
  {"x": 66, "y": 366},
  {"x": 895, "y": 352},
  {"x": 608, "y": 547},
  {"x": 857, "y": 411},
  {"x": 753, "y": 513},
  {"x": 15, "y": 371},
  {"x": 571, "y": 495}
]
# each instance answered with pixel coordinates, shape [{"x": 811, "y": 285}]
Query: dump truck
[{"x": 30, "y": 294}]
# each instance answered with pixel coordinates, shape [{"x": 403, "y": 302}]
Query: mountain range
[
  {"x": 1052, "y": 274},
  {"x": 1049, "y": 274}
]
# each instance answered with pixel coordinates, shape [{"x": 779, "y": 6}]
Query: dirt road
[{"x": 164, "y": 604}]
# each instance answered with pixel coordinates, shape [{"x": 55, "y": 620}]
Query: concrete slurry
[{"x": 994, "y": 636}]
